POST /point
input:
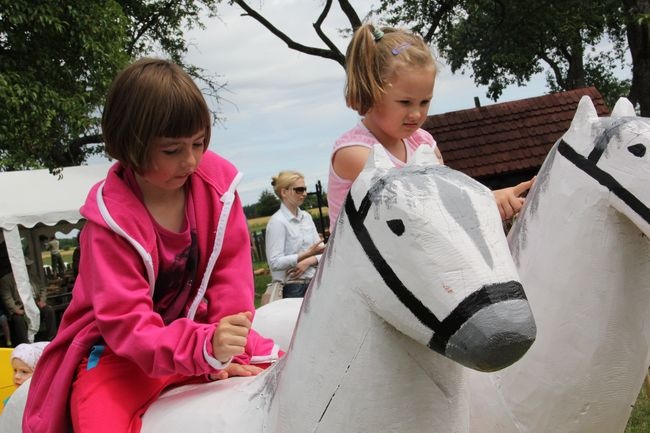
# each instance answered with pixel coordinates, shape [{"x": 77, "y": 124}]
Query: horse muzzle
[{"x": 490, "y": 330}]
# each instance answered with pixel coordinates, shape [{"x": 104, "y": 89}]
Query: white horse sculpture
[
  {"x": 582, "y": 251},
  {"x": 417, "y": 263},
  {"x": 416, "y": 283}
]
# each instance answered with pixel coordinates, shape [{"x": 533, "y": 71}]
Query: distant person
[
  {"x": 76, "y": 256},
  {"x": 4, "y": 324},
  {"x": 293, "y": 245},
  {"x": 13, "y": 304},
  {"x": 58, "y": 267},
  {"x": 165, "y": 292}
]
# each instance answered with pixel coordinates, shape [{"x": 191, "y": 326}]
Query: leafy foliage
[
  {"x": 506, "y": 42},
  {"x": 268, "y": 204},
  {"x": 57, "y": 59},
  {"x": 55, "y": 64}
]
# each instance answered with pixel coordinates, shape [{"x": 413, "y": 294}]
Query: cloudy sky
[{"x": 286, "y": 108}]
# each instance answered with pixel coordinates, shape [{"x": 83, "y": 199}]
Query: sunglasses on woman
[{"x": 300, "y": 189}]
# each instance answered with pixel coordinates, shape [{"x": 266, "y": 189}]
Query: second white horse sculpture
[{"x": 582, "y": 251}]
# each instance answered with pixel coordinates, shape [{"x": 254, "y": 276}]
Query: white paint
[{"x": 583, "y": 257}]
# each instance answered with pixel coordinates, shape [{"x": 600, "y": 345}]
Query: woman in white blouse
[{"x": 293, "y": 245}]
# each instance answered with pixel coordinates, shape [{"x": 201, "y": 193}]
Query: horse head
[
  {"x": 611, "y": 152},
  {"x": 434, "y": 237}
]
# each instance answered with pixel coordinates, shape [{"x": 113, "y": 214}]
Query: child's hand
[
  {"x": 229, "y": 339},
  {"x": 236, "y": 370},
  {"x": 509, "y": 201}
]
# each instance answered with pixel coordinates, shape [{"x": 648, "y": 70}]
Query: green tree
[
  {"x": 267, "y": 204},
  {"x": 506, "y": 42},
  {"x": 57, "y": 58}
]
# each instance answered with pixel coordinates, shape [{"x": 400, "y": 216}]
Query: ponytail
[{"x": 371, "y": 59}]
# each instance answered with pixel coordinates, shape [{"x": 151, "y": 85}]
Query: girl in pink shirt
[
  {"x": 164, "y": 294},
  {"x": 390, "y": 78}
]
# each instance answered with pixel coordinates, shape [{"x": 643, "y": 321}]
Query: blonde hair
[
  {"x": 372, "y": 58},
  {"x": 284, "y": 180},
  {"x": 151, "y": 98}
]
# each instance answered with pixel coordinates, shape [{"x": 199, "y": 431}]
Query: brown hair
[
  {"x": 151, "y": 98},
  {"x": 373, "y": 57},
  {"x": 283, "y": 180}
]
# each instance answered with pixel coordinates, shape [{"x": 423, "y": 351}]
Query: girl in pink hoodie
[{"x": 165, "y": 291}]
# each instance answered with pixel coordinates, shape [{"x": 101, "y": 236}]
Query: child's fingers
[
  {"x": 522, "y": 187},
  {"x": 241, "y": 319},
  {"x": 225, "y": 347}
]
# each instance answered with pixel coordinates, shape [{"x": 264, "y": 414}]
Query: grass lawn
[
  {"x": 639, "y": 421},
  {"x": 66, "y": 254},
  {"x": 260, "y": 281}
]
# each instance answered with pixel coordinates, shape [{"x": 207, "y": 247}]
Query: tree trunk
[
  {"x": 575, "y": 78},
  {"x": 638, "y": 37}
]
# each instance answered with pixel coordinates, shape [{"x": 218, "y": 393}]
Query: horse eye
[
  {"x": 637, "y": 150},
  {"x": 396, "y": 226}
]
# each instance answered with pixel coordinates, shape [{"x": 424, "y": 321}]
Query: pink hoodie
[{"x": 112, "y": 296}]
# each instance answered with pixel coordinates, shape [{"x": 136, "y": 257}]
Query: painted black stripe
[
  {"x": 407, "y": 298},
  {"x": 604, "y": 179},
  {"x": 487, "y": 295}
]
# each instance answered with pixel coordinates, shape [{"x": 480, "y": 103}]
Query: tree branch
[
  {"x": 437, "y": 16},
  {"x": 147, "y": 25},
  {"x": 320, "y": 52},
  {"x": 351, "y": 14},
  {"x": 323, "y": 37},
  {"x": 87, "y": 139},
  {"x": 556, "y": 69}
]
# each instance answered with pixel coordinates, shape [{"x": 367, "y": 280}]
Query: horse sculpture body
[
  {"x": 416, "y": 283},
  {"x": 582, "y": 251}
]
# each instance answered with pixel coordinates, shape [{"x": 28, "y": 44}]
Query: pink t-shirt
[
  {"x": 178, "y": 258},
  {"x": 337, "y": 187}
]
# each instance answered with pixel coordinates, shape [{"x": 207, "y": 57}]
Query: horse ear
[
  {"x": 585, "y": 117},
  {"x": 378, "y": 158},
  {"x": 623, "y": 108},
  {"x": 423, "y": 155},
  {"x": 585, "y": 114}
]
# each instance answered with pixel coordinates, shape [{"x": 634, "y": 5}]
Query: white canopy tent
[{"x": 35, "y": 203}]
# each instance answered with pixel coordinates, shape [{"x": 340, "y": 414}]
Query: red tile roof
[{"x": 508, "y": 137}]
